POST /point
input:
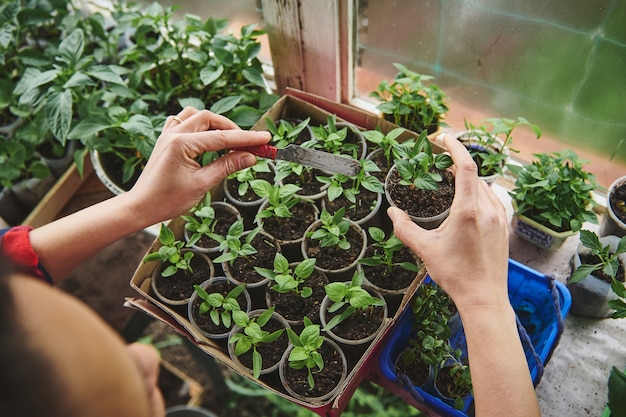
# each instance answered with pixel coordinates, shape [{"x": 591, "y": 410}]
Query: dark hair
[{"x": 29, "y": 386}]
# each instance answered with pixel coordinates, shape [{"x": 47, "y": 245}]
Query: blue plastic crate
[{"x": 532, "y": 296}]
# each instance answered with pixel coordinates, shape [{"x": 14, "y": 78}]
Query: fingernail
[{"x": 246, "y": 160}]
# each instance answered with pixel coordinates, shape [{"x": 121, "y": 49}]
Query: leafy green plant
[
  {"x": 350, "y": 187},
  {"x": 350, "y": 295},
  {"x": 286, "y": 279},
  {"x": 284, "y": 132},
  {"x": 617, "y": 387},
  {"x": 607, "y": 264},
  {"x": 410, "y": 102},
  {"x": 244, "y": 176},
  {"x": 385, "y": 142},
  {"x": 305, "y": 351},
  {"x": 333, "y": 229},
  {"x": 491, "y": 140},
  {"x": 417, "y": 164},
  {"x": 202, "y": 220},
  {"x": 17, "y": 161},
  {"x": 388, "y": 246},
  {"x": 252, "y": 336},
  {"x": 555, "y": 191},
  {"x": 219, "y": 307},
  {"x": 280, "y": 198},
  {"x": 334, "y": 140},
  {"x": 460, "y": 384},
  {"x": 59, "y": 90},
  {"x": 171, "y": 253},
  {"x": 236, "y": 243}
]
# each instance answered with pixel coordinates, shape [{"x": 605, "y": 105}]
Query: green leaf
[
  {"x": 106, "y": 74},
  {"x": 71, "y": 48},
  {"x": 226, "y": 104},
  {"x": 582, "y": 272},
  {"x": 89, "y": 127},
  {"x": 257, "y": 364},
  {"x": 209, "y": 75},
  {"x": 59, "y": 114},
  {"x": 254, "y": 76}
]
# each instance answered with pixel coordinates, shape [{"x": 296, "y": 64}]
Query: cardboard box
[{"x": 288, "y": 106}]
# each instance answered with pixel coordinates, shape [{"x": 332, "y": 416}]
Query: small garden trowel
[{"x": 327, "y": 162}]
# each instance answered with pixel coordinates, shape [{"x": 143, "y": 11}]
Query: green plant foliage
[
  {"x": 608, "y": 264},
  {"x": 171, "y": 253},
  {"x": 305, "y": 351},
  {"x": 350, "y": 295},
  {"x": 236, "y": 244},
  {"x": 496, "y": 135},
  {"x": 416, "y": 163},
  {"x": 253, "y": 335},
  {"x": 387, "y": 248},
  {"x": 555, "y": 190},
  {"x": 286, "y": 279},
  {"x": 333, "y": 229},
  {"x": 219, "y": 307},
  {"x": 410, "y": 102}
]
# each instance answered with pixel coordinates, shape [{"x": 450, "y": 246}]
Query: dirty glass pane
[
  {"x": 238, "y": 12},
  {"x": 561, "y": 64}
]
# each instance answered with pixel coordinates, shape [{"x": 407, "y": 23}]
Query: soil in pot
[
  {"x": 359, "y": 325},
  {"x": 293, "y": 307},
  {"x": 270, "y": 352},
  {"x": 242, "y": 268},
  {"x": 589, "y": 259},
  {"x": 180, "y": 285},
  {"x": 291, "y": 228},
  {"x": 307, "y": 181},
  {"x": 114, "y": 165},
  {"x": 378, "y": 157},
  {"x": 417, "y": 371},
  {"x": 422, "y": 203},
  {"x": 325, "y": 380},
  {"x": 395, "y": 279},
  {"x": 365, "y": 203},
  {"x": 617, "y": 200},
  {"x": 335, "y": 258},
  {"x": 224, "y": 218},
  {"x": 445, "y": 385},
  {"x": 203, "y": 321},
  {"x": 249, "y": 196}
]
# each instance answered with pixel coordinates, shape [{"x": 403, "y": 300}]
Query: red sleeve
[{"x": 15, "y": 245}]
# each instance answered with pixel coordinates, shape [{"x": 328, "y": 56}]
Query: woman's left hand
[{"x": 173, "y": 181}]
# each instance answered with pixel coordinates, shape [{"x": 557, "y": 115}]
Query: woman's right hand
[{"x": 467, "y": 255}]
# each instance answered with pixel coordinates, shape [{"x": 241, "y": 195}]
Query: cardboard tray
[{"x": 286, "y": 106}]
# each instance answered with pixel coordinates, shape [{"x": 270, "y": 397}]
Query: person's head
[{"x": 58, "y": 358}]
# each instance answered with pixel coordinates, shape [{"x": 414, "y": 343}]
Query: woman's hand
[
  {"x": 173, "y": 181},
  {"x": 467, "y": 254}
]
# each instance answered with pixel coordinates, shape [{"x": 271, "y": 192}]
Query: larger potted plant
[
  {"x": 420, "y": 183},
  {"x": 597, "y": 282},
  {"x": 552, "y": 198},
  {"x": 410, "y": 102},
  {"x": 490, "y": 143}
]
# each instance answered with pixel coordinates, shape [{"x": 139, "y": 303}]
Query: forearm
[
  {"x": 500, "y": 376},
  {"x": 65, "y": 243}
]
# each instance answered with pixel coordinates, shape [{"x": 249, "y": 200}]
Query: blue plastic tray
[{"x": 532, "y": 299}]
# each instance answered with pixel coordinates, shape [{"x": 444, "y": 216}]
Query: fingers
[
  {"x": 214, "y": 173},
  {"x": 215, "y": 140},
  {"x": 405, "y": 229},
  {"x": 191, "y": 119},
  {"x": 466, "y": 175}
]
